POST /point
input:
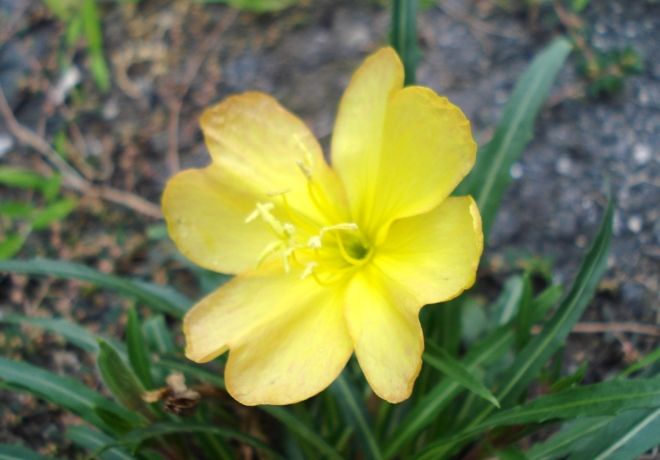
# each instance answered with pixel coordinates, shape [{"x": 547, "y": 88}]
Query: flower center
[{"x": 329, "y": 254}]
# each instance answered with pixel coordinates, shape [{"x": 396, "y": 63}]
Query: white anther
[
  {"x": 288, "y": 228},
  {"x": 314, "y": 242},
  {"x": 345, "y": 226},
  {"x": 306, "y": 170},
  {"x": 309, "y": 270}
]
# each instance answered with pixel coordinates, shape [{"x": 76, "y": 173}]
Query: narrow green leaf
[
  {"x": 524, "y": 322},
  {"x": 352, "y": 409},
  {"x": 284, "y": 416},
  {"x": 161, "y": 298},
  {"x": 455, "y": 370},
  {"x": 256, "y": 6},
  {"x": 22, "y": 178},
  {"x": 647, "y": 360},
  {"x": 490, "y": 177},
  {"x": 485, "y": 351},
  {"x": 16, "y": 209},
  {"x": 77, "y": 335},
  {"x": 403, "y": 36},
  {"x": 138, "y": 351},
  {"x": 158, "y": 335},
  {"x": 18, "y": 452},
  {"x": 136, "y": 437},
  {"x": 120, "y": 380},
  {"x": 91, "y": 24},
  {"x": 571, "y": 435},
  {"x": 428, "y": 407},
  {"x": 10, "y": 244},
  {"x": 606, "y": 398},
  {"x": 534, "y": 355},
  {"x": 63, "y": 391},
  {"x": 627, "y": 436},
  {"x": 52, "y": 213},
  {"x": 94, "y": 441}
]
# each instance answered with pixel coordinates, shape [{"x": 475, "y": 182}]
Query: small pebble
[
  {"x": 635, "y": 224},
  {"x": 642, "y": 153},
  {"x": 516, "y": 171},
  {"x": 564, "y": 166},
  {"x": 6, "y": 143}
]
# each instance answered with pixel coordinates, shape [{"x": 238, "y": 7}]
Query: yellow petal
[
  {"x": 388, "y": 339},
  {"x": 228, "y": 315},
  {"x": 293, "y": 357},
  {"x": 205, "y": 211},
  {"x": 358, "y": 131},
  {"x": 399, "y": 152},
  {"x": 270, "y": 150},
  {"x": 434, "y": 255}
]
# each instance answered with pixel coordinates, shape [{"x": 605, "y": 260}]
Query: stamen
[{"x": 309, "y": 270}]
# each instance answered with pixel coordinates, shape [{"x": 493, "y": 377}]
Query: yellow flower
[{"x": 329, "y": 261}]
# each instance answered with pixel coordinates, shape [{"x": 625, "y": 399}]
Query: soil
[{"x": 169, "y": 60}]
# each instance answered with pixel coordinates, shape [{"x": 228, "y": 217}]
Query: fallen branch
[
  {"x": 71, "y": 178},
  {"x": 601, "y": 328}
]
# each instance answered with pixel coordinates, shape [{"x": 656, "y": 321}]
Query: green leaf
[
  {"x": 138, "y": 351},
  {"x": 534, "y": 355},
  {"x": 647, "y": 360},
  {"x": 524, "y": 322},
  {"x": 52, "y": 213},
  {"x": 73, "y": 333},
  {"x": 94, "y": 441},
  {"x": 160, "y": 298},
  {"x": 18, "y": 452},
  {"x": 136, "y": 437},
  {"x": 291, "y": 422},
  {"x": 121, "y": 381},
  {"x": 92, "y": 29},
  {"x": 10, "y": 245},
  {"x": 63, "y": 391},
  {"x": 429, "y": 406},
  {"x": 16, "y": 209},
  {"x": 606, "y": 398},
  {"x": 490, "y": 177},
  {"x": 158, "y": 335},
  {"x": 403, "y": 36},
  {"x": 565, "y": 441},
  {"x": 353, "y": 411},
  {"x": 627, "y": 436},
  {"x": 257, "y": 6},
  {"x": 455, "y": 370},
  {"x": 24, "y": 179}
]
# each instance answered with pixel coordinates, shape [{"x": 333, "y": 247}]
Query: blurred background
[{"x": 99, "y": 106}]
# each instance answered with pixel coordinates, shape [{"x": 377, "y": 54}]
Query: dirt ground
[{"x": 169, "y": 60}]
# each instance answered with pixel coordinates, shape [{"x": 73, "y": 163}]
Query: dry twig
[
  {"x": 71, "y": 178},
  {"x": 175, "y": 103}
]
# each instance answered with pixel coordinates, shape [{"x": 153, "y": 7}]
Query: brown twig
[
  {"x": 600, "y": 328},
  {"x": 633, "y": 328},
  {"x": 175, "y": 103},
  {"x": 71, "y": 178}
]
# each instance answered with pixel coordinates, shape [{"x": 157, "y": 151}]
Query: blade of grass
[
  {"x": 354, "y": 415},
  {"x": 138, "y": 351},
  {"x": 535, "y": 354},
  {"x": 627, "y": 436},
  {"x": 403, "y": 36},
  {"x": 606, "y": 398},
  {"x": 18, "y": 452},
  {"x": 160, "y": 298},
  {"x": 62, "y": 391},
  {"x": 292, "y": 423},
  {"x": 562, "y": 443},
  {"x": 490, "y": 177},
  {"x": 455, "y": 370},
  {"x": 93, "y": 440}
]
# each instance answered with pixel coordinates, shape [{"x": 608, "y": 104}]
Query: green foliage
[
  {"x": 255, "y": 6},
  {"x": 490, "y": 176},
  {"x": 18, "y": 452},
  {"x": 403, "y": 36},
  {"x": 19, "y": 218},
  {"x": 82, "y": 20}
]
